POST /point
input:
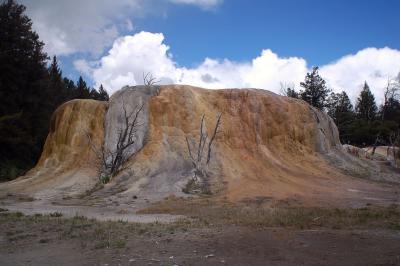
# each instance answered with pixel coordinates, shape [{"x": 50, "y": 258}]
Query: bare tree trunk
[
  {"x": 213, "y": 137},
  {"x": 200, "y": 162},
  {"x": 112, "y": 161}
]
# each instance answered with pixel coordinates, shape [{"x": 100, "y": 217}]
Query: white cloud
[
  {"x": 266, "y": 71},
  {"x": 206, "y": 4},
  {"x": 83, "y": 66},
  {"x": 371, "y": 64},
  {"x": 144, "y": 52},
  {"x": 74, "y": 26},
  {"x": 129, "y": 25},
  {"x": 131, "y": 56}
]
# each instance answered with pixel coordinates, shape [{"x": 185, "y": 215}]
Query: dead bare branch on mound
[
  {"x": 200, "y": 159},
  {"x": 112, "y": 161},
  {"x": 149, "y": 80}
]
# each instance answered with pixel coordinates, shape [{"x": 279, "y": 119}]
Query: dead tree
[
  {"x": 199, "y": 157},
  {"x": 394, "y": 141},
  {"x": 149, "y": 81},
  {"x": 112, "y": 160},
  {"x": 392, "y": 91}
]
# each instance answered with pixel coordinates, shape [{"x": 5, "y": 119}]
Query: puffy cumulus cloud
[
  {"x": 130, "y": 57},
  {"x": 145, "y": 52},
  {"x": 373, "y": 65},
  {"x": 266, "y": 71},
  {"x": 214, "y": 74},
  {"x": 206, "y": 4}
]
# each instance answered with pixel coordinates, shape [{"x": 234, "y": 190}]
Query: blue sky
[
  {"x": 222, "y": 43},
  {"x": 320, "y": 31}
]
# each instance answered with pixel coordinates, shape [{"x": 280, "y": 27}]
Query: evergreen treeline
[
  {"x": 362, "y": 125},
  {"x": 30, "y": 91}
]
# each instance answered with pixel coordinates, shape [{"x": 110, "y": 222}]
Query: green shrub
[
  {"x": 104, "y": 179},
  {"x": 56, "y": 214}
]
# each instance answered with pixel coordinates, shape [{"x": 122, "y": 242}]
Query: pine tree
[
  {"x": 338, "y": 103},
  {"x": 55, "y": 72},
  {"x": 339, "y": 107},
  {"x": 103, "y": 95},
  {"x": 290, "y": 92},
  {"x": 100, "y": 95},
  {"x": 29, "y": 91},
  {"x": 70, "y": 89},
  {"x": 94, "y": 94},
  {"x": 315, "y": 90},
  {"x": 82, "y": 90},
  {"x": 22, "y": 61},
  {"x": 332, "y": 104},
  {"x": 392, "y": 110},
  {"x": 366, "y": 108},
  {"x": 23, "y": 119},
  {"x": 57, "y": 90}
]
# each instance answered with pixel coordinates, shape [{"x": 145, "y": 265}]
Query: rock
[
  {"x": 67, "y": 164},
  {"x": 268, "y": 146}
]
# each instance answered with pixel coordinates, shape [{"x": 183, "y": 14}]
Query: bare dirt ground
[{"x": 211, "y": 234}]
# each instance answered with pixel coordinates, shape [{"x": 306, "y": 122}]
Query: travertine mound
[
  {"x": 269, "y": 146},
  {"x": 67, "y": 164}
]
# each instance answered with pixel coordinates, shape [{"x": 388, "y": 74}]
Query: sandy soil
[
  {"x": 206, "y": 246},
  {"x": 210, "y": 237}
]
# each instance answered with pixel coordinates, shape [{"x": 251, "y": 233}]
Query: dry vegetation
[
  {"x": 93, "y": 234},
  {"x": 254, "y": 214},
  {"x": 202, "y": 212},
  {"x": 212, "y": 239}
]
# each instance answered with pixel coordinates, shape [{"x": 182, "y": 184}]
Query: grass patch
[
  {"x": 110, "y": 243},
  {"x": 205, "y": 212},
  {"x": 209, "y": 212},
  {"x": 101, "y": 244},
  {"x": 56, "y": 214},
  {"x": 91, "y": 233}
]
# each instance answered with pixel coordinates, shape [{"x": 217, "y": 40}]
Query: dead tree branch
[
  {"x": 201, "y": 161},
  {"x": 394, "y": 140},
  {"x": 213, "y": 137},
  {"x": 113, "y": 160},
  {"x": 150, "y": 81},
  {"x": 392, "y": 92}
]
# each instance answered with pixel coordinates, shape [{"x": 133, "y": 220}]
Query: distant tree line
[
  {"x": 365, "y": 124},
  {"x": 30, "y": 91}
]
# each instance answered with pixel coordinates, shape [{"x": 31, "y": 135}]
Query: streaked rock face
[
  {"x": 129, "y": 100},
  {"x": 68, "y": 164},
  {"x": 67, "y": 144},
  {"x": 269, "y": 145}
]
